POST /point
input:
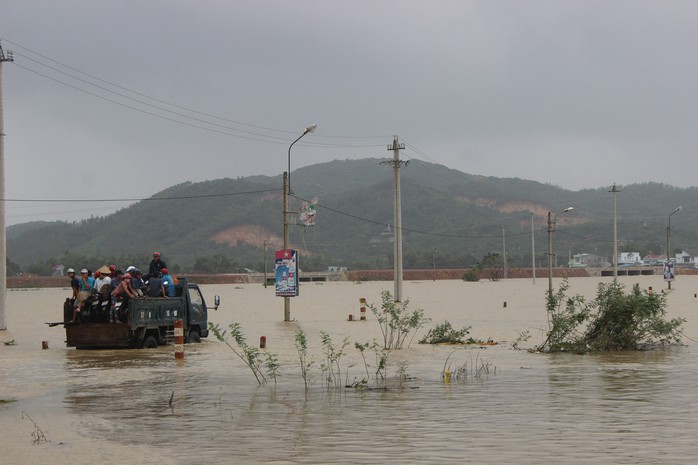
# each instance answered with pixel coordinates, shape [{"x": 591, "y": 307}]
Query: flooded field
[{"x": 113, "y": 406}]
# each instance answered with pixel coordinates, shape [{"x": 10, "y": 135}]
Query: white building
[{"x": 630, "y": 258}]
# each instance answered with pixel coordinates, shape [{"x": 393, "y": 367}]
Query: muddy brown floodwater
[{"x": 112, "y": 406}]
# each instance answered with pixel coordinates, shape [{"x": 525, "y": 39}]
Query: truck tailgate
[{"x": 96, "y": 335}]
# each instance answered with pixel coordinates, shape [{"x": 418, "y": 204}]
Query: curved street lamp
[
  {"x": 287, "y": 192},
  {"x": 310, "y": 128},
  {"x": 551, "y": 228}
]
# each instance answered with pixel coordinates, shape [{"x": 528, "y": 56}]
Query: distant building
[
  {"x": 630, "y": 258},
  {"x": 583, "y": 260},
  {"x": 336, "y": 269},
  {"x": 58, "y": 270},
  {"x": 653, "y": 260},
  {"x": 685, "y": 258}
]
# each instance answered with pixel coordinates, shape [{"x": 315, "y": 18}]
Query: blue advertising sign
[{"x": 286, "y": 273}]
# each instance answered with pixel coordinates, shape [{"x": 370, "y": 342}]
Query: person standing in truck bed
[
  {"x": 86, "y": 285},
  {"x": 156, "y": 266},
  {"x": 75, "y": 288}
]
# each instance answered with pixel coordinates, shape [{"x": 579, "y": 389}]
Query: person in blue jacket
[{"x": 168, "y": 283}]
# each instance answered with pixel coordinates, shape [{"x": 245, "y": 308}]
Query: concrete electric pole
[
  {"x": 3, "y": 246},
  {"x": 397, "y": 216},
  {"x": 615, "y": 190}
]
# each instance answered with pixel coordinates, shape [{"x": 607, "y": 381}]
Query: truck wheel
[
  {"x": 193, "y": 336},
  {"x": 150, "y": 342}
]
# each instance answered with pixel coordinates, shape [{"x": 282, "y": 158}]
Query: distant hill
[{"x": 450, "y": 219}]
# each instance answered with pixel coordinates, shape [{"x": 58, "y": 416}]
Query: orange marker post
[{"x": 179, "y": 338}]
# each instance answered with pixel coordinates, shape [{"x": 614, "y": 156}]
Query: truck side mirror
[{"x": 217, "y": 301}]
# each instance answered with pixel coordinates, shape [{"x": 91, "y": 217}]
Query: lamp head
[
  {"x": 569, "y": 209},
  {"x": 310, "y": 128}
]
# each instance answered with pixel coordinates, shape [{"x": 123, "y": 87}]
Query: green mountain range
[{"x": 450, "y": 219}]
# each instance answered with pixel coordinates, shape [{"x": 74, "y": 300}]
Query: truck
[{"x": 145, "y": 322}]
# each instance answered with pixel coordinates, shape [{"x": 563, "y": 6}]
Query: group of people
[{"x": 119, "y": 286}]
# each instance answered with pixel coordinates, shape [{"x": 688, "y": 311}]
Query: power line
[
  {"x": 249, "y": 134},
  {"x": 136, "y": 92},
  {"x": 181, "y": 197},
  {"x": 416, "y": 231}
]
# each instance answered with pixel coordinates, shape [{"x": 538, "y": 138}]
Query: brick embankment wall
[
  {"x": 421, "y": 275},
  {"x": 15, "y": 282}
]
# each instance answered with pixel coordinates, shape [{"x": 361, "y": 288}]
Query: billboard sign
[
  {"x": 668, "y": 270},
  {"x": 286, "y": 273}
]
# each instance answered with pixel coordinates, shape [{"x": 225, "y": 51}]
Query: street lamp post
[
  {"x": 287, "y": 192},
  {"x": 668, "y": 237},
  {"x": 533, "y": 250},
  {"x": 551, "y": 228}
]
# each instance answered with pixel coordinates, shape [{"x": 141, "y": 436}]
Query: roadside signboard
[
  {"x": 286, "y": 273},
  {"x": 668, "y": 270}
]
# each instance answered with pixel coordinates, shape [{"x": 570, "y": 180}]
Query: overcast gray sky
[{"x": 579, "y": 94}]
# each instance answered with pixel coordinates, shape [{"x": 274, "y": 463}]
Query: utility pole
[
  {"x": 668, "y": 245},
  {"x": 3, "y": 245},
  {"x": 615, "y": 190},
  {"x": 397, "y": 217},
  {"x": 433, "y": 265},
  {"x": 266, "y": 243},
  {"x": 286, "y": 185},
  {"x": 504, "y": 251},
  {"x": 533, "y": 250},
  {"x": 551, "y": 229},
  {"x": 550, "y": 255}
]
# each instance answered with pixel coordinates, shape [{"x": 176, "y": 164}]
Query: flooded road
[{"x": 114, "y": 406}]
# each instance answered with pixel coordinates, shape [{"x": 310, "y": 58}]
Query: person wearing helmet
[
  {"x": 156, "y": 266},
  {"x": 122, "y": 292},
  {"x": 75, "y": 287},
  {"x": 137, "y": 282}
]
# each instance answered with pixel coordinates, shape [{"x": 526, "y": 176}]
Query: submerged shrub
[
  {"x": 251, "y": 356},
  {"x": 396, "y": 322},
  {"x": 631, "y": 321},
  {"x": 613, "y": 321},
  {"x": 444, "y": 333}
]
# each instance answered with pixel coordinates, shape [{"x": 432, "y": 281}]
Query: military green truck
[{"x": 141, "y": 323}]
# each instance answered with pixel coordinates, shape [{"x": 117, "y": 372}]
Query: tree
[
  {"x": 492, "y": 266},
  {"x": 613, "y": 321}
]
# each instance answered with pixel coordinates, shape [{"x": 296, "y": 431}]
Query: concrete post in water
[
  {"x": 44, "y": 345},
  {"x": 362, "y": 310},
  {"x": 179, "y": 338}
]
